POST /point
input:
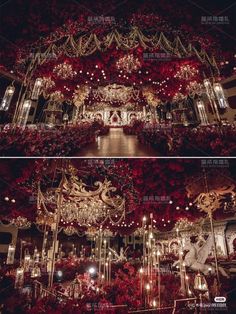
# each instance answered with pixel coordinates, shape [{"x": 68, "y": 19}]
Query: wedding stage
[
  {"x": 164, "y": 87},
  {"x": 117, "y": 146}
]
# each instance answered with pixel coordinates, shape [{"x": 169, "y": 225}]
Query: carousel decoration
[
  {"x": 7, "y": 98},
  {"x": 128, "y": 63},
  {"x": 186, "y": 72},
  {"x": 209, "y": 202},
  {"x": 64, "y": 71}
]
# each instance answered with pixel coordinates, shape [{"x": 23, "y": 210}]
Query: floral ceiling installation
[
  {"x": 161, "y": 188},
  {"x": 176, "y": 60}
]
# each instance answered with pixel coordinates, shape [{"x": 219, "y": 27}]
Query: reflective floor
[{"x": 117, "y": 144}]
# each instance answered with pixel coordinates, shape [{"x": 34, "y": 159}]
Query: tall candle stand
[
  {"x": 55, "y": 231},
  {"x": 159, "y": 278},
  {"x": 100, "y": 254},
  {"x": 144, "y": 220}
]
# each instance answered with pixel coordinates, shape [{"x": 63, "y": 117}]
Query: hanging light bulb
[
  {"x": 37, "y": 88},
  {"x": 6, "y": 101},
  {"x": 222, "y": 101}
]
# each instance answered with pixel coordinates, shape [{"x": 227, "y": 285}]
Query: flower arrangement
[
  {"x": 54, "y": 142},
  {"x": 201, "y": 141}
]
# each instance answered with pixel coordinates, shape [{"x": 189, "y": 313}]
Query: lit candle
[{"x": 19, "y": 278}]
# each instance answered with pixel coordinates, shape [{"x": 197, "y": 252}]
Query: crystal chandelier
[
  {"x": 128, "y": 63},
  {"x": 64, "y": 71},
  {"x": 81, "y": 204},
  {"x": 186, "y": 72}
]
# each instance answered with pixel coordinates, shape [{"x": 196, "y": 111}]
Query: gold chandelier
[
  {"x": 128, "y": 63},
  {"x": 64, "y": 71},
  {"x": 186, "y": 72},
  {"x": 82, "y": 204}
]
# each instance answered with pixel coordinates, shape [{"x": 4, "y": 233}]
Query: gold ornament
[
  {"x": 186, "y": 72},
  {"x": 86, "y": 206},
  {"x": 64, "y": 71},
  {"x": 128, "y": 64}
]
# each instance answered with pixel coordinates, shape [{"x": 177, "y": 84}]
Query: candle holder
[
  {"x": 19, "y": 280},
  {"x": 11, "y": 254}
]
